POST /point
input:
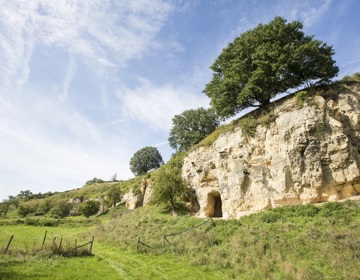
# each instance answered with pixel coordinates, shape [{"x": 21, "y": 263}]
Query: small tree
[
  {"x": 266, "y": 61},
  {"x": 89, "y": 207},
  {"x": 6, "y": 204},
  {"x": 191, "y": 126},
  {"x": 61, "y": 209},
  {"x": 114, "y": 195},
  {"x": 45, "y": 206},
  {"x": 145, "y": 160},
  {"x": 26, "y": 208},
  {"x": 25, "y": 195},
  {"x": 114, "y": 177},
  {"x": 169, "y": 185}
]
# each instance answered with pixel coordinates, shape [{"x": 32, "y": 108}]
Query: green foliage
[
  {"x": 93, "y": 181},
  {"x": 89, "y": 207},
  {"x": 114, "y": 195},
  {"x": 248, "y": 126},
  {"x": 26, "y": 208},
  {"x": 169, "y": 185},
  {"x": 6, "y": 204},
  {"x": 247, "y": 123},
  {"x": 293, "y": 242},
  {"x": 45, "y": 206},
  {"x": 191, "y": 126},
  {"x": 61, "y": 209},
  {"x": 25, "y": 195},
  {"x": 266, "y": 61},
  {"x": 145, "y": 160},
  {"x": 302, "y": 96},
  {"x": 353, "y": 78}
]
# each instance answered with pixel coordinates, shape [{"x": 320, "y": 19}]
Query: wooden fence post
[
  {"x": 60, "y": 243},
  {"x": 137, "y": 245},
  {"x": 8, "y": 245},
  {"x": 44, "y": 239},
  {"x": 91, "y": 244}
]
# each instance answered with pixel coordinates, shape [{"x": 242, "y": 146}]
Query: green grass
[
  {"x": 295, "y": 242},
  {"x": 35, "y": 267},
  {"x": 108, "y": 262}
]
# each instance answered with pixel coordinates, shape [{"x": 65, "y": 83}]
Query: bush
[
  {"x": 62, "y": 209},
  {"x": 353, "y": 78},
  {"x": 301, "y": 97},
  {"x": 89, "y": 207}
]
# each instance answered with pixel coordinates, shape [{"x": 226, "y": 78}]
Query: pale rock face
[
  {"x": 308, "y": 154},
  {"x": 133, "y": 201}
]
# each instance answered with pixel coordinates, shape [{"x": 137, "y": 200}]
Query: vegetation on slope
[
  {"x": 265, "y": 116},
  {"x": 295, "y": 242}
]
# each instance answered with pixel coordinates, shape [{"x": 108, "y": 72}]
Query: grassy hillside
[{"x": 297, "y": 242}]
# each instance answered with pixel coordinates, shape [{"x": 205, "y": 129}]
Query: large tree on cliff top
[{"x": 266, "y": 61}]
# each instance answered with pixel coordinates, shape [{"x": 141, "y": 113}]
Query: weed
[{"x": 302, "y": 96}]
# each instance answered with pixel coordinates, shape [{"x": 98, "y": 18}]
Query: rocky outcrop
[
  {"x": 309, "y": 153},
  {"x": 134, "y": 199}
]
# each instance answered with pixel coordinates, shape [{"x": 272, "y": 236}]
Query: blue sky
[{"x": 85, "y": 84}]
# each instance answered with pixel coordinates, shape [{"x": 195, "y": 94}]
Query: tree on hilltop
[
  {"x": 264, "y": 62},
  {"x": 145, "y": 160},
  {"x": 191, "y": 126}
]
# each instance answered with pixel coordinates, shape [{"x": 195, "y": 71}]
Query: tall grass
[{"x": 296, "y": 242}]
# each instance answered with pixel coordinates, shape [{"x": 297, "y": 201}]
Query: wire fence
[
  {"x": 55, "y": 248},
  {"x": 165, "y": 236}
]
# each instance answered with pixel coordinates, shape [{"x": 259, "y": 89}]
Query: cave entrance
[{"x": 214, "y": 205}]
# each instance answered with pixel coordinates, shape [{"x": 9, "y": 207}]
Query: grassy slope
[{"x": 297, "y": 242}]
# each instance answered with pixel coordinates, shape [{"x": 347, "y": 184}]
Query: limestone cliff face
[
  {"x": 142, "y": 197},
  {"x": 310, "y": 153}
]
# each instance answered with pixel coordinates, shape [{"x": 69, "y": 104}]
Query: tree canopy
[
  {"x": 89, "y": 207},
  {"x": 145, "y": 160},
  {"x": 114, "y": 195},
  {"x": 169, "y": 185},
  {"x": 266, "y": 61},
  {"x": 191, "y": 126}
]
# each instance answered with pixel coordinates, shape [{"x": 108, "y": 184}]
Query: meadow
[{"x": 294, "y": 242}]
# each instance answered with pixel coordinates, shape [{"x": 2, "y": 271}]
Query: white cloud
[
  {"x": 48, "y": 144},
  {"x": 310, "y": 14},
  {"x": 84, "y": 28},
  {"x": 71, "y": 70},
  {"x": 156, "y": 105}
]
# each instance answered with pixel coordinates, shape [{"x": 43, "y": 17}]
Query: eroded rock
[{"x": 308, "y": 154}]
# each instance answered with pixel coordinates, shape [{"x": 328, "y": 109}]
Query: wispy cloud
[
  {"x": 84, "y": 28},
  {"x": 69, "y": 76},
  {"x": 350, "y": 62},
  {"x": 156, "y": 105},
  {"x": 112, "y": 123},
  {"x": 310, "y": 13}
]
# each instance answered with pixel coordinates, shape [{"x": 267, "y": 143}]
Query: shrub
[
  {"x": 301, "y": 97},
  {"x": 353, "y": 78},
  {"x": 61, "y": 209},
  {"x": 89, "y": 207}
]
